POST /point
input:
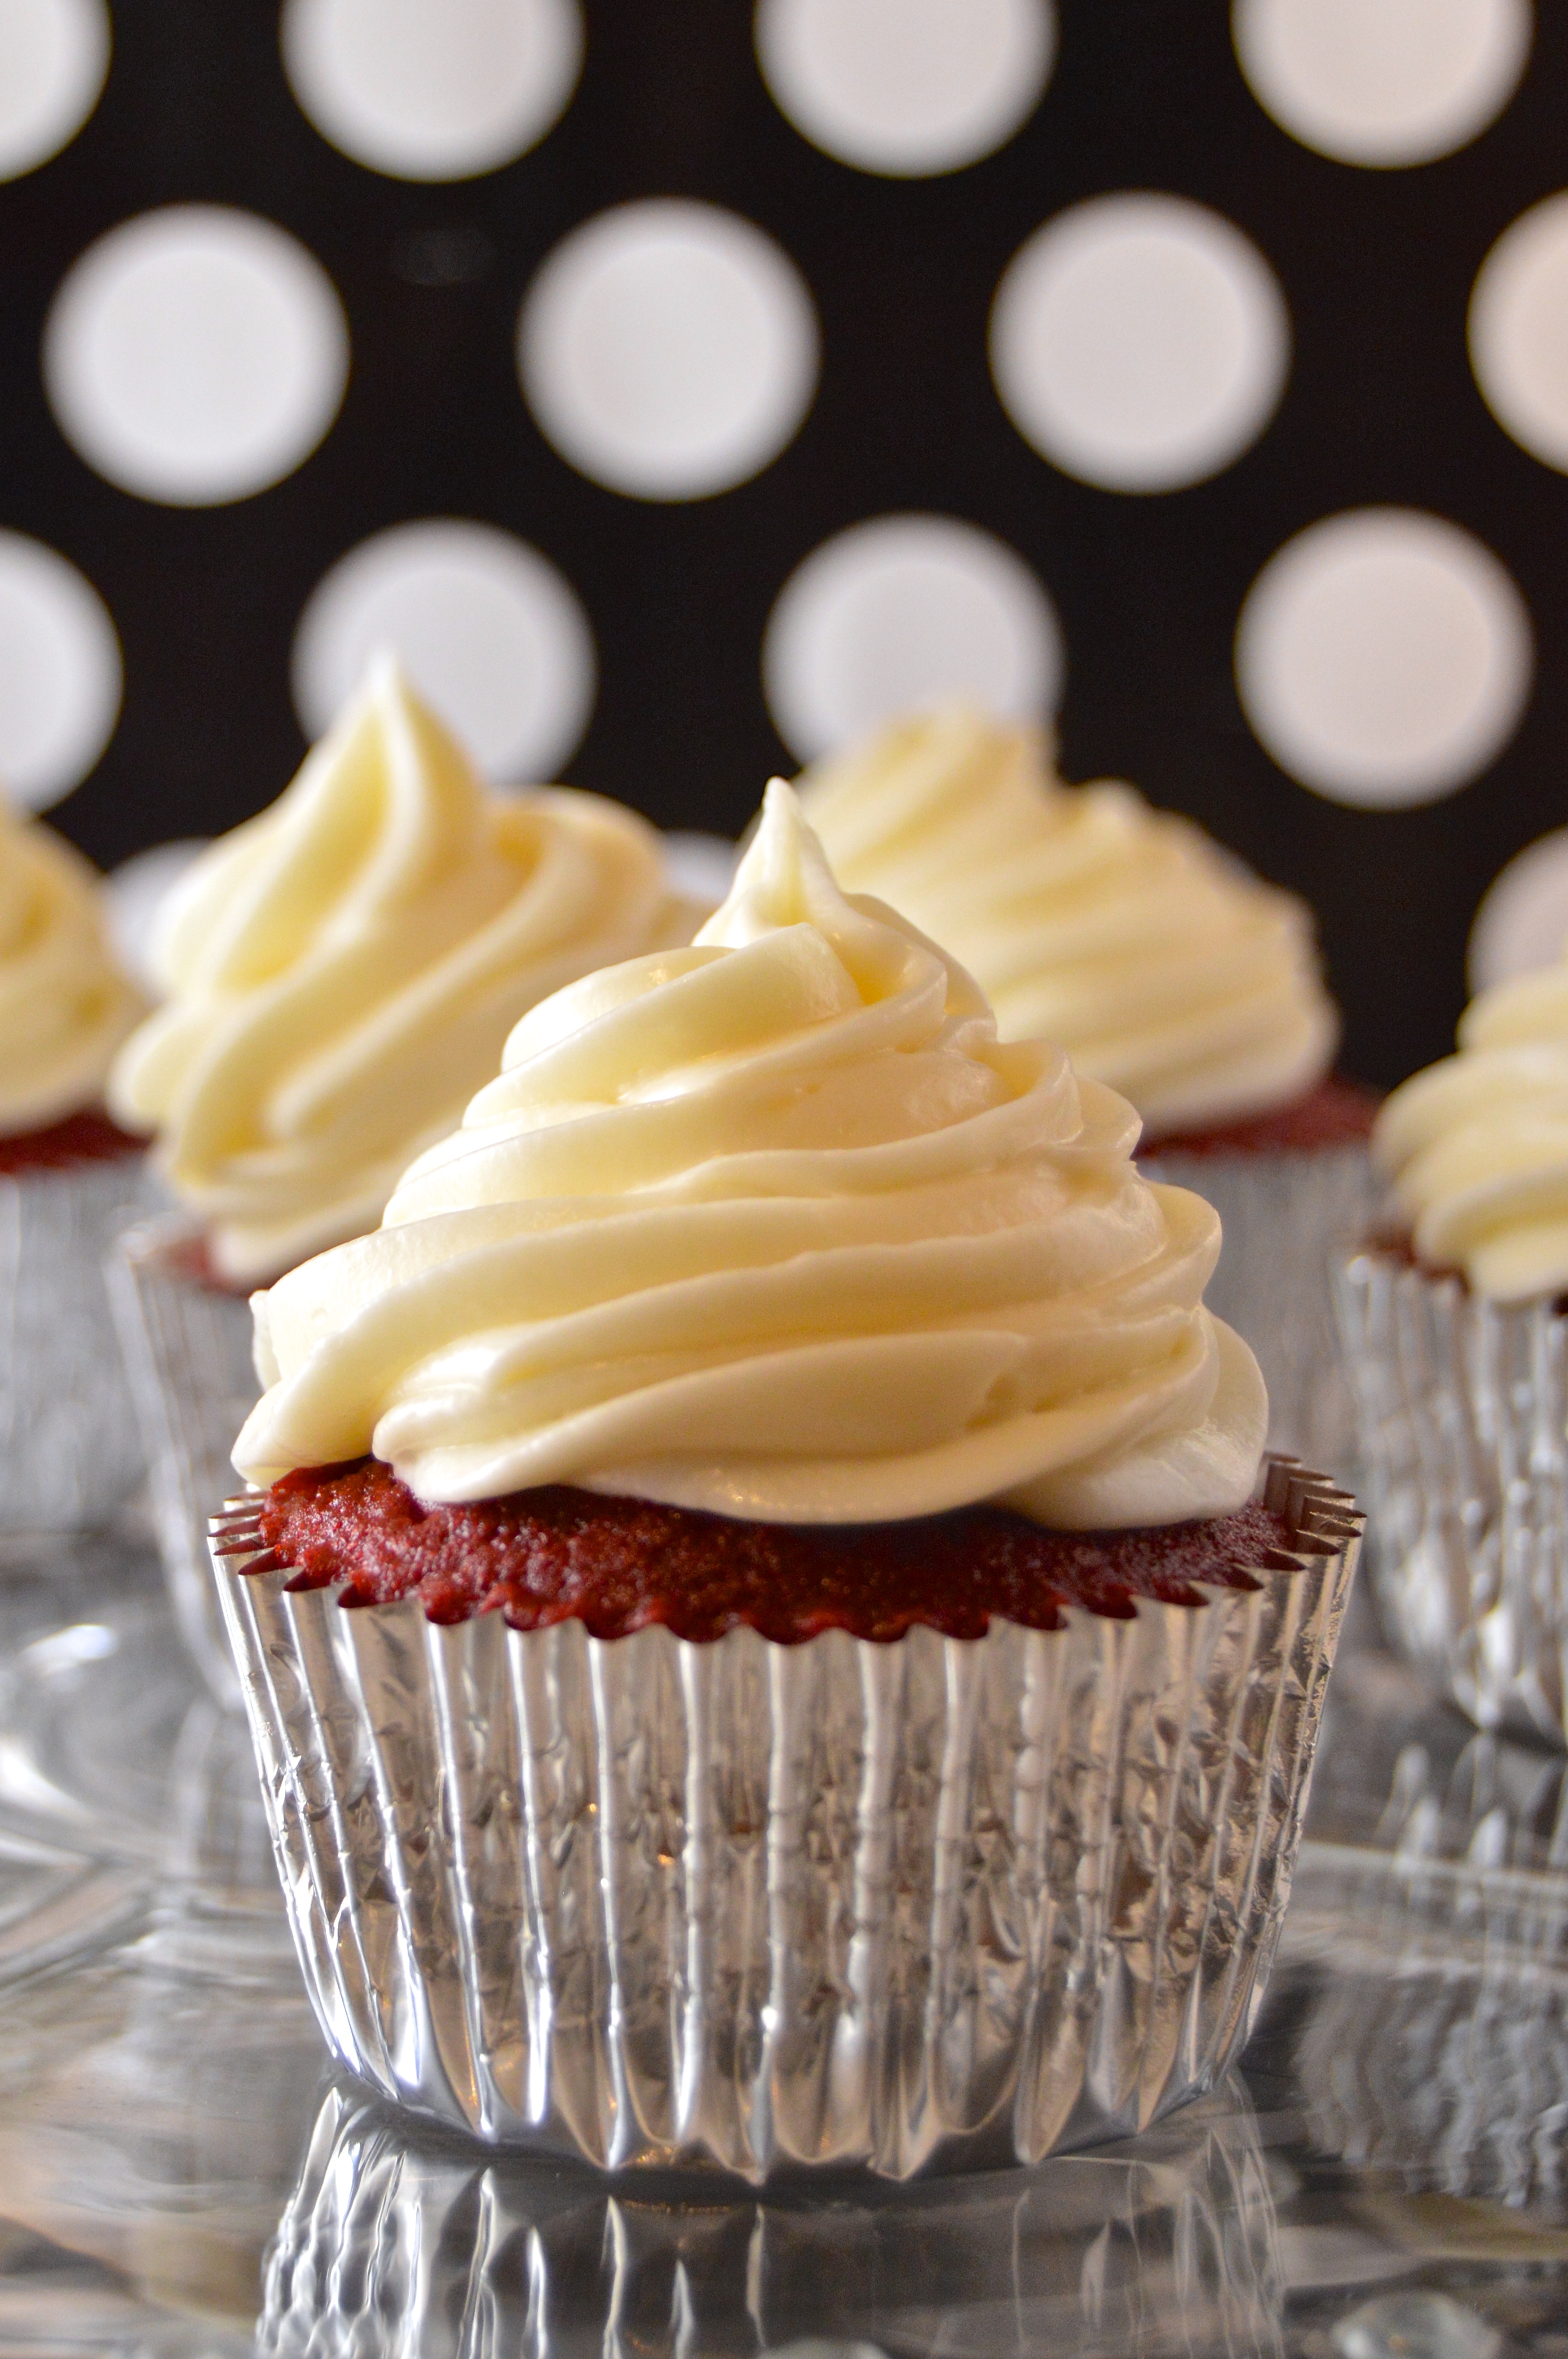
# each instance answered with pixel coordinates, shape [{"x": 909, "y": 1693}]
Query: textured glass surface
[{"x": 183, "y": 2176}]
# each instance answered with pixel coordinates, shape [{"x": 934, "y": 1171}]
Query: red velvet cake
[
  {"x": 558, "y": 1554},
  {"x": 1336, "y": 1114},
  {"x": 80, "y": 1138}
]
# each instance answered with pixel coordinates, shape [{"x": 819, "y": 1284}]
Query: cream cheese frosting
[
  {"x": 64, "y": 1004},
  {"x": 775, "y": 1226},
  {"x": 343, "y": 971},
  {"x": 1476, "y": 1145},
  {"x": 1161, "y": 965}
]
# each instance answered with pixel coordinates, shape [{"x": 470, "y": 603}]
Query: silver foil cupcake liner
[
  {"x": 935, "y": 1903},
  {"x": 189, "y": 1345},
  {"x": 412, "y": 2248},
  {"x": 1463, "y": 1407},
  {"x": 1284, "y": 1217},
  {"x": 71, "y": 1447}
]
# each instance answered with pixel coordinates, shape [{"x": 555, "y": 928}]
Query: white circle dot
[
  {"x": 1139, "y": 342},
  {"x": 1382, "y": 82},
  {"x": 196, "y": 354},
  {"x": 1522, "y": 922},
  {"x": 1384, "y": 658},
  {"x": 906, "y": 87},
  {"x": 60, "y": 673},
  {"x": 433, "y": 89},
  {"x": 699, "y": 864},
  {"x": 668, "y": 349},
  {"x": 54, "y": 58},
  {"x": 490, "y": 632},
  {"x": 135, "y": 892},
  {"x": 1519, "y": 331},
  {"x": 900, "y": 613}
]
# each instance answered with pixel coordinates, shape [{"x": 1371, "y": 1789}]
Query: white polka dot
[
  {"x": 1139, "y": 342},
  {"x": 1519, "y": 331},
  {"x": 900, "y": 613},
  {"x": 906, "y": 87},
  {"x": 196, "y": 354},
  {"x": 491, "y": 633},
  {"x": 668, "y": 349},
  {"x": 433, "y": 89},
  {"x": 700, "y": 865},
  {"x": 1383, "y": 81},
  {"x": 1522, "y": 923},
  {"x": 60, "y": 673},
  {"x": 54, "y": 57},
  {"x": 1384, "y": 658},
  {"x": 135, "y": 892}
]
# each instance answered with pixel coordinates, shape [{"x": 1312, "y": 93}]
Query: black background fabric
[{"x": 1377, "y": 268}]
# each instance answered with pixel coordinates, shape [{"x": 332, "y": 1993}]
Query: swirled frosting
[
  {"x": 1164, "y": 967},
  {"x": 1477, "y": 1145},
  {"x": 64, "y": 1006},
  {"x": 343, "y": 970},
  {"x": 775, "y": 1226}
]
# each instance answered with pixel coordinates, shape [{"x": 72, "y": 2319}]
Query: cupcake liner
[
  {"x": 416, "y": 2248},
  {"x": 189, "y": 1346},
  {"x": 71, "y": 1448},
  {"x": 1284, "y": 1216},
  {"x": 922, "y": 1904},
  {"x": 1464, "y": 1414}
]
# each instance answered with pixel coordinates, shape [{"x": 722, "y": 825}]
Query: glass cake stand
[{"x": 183, "y": 2176}]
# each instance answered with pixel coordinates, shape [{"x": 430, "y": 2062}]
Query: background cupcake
[
  {"x": 70, "y": 1450},
  {"x": 1459, "y": 1346},
  {"x": 341, "y": 974},
  {"x": 761, "y": 1281},
  {"x": 1167, "y": 970}
]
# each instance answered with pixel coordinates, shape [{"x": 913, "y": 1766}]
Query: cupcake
[
  {"x": 70, "y": 1449},
  {"x": 763, "y": 1635},
  {"x": 1166, "y": 969},
  {"x": 1456, "y": 1333},
  {"x": 392, "y": 2237},
  {"x": 340, "y": 974}
]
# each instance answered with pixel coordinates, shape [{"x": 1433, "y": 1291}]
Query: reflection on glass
[{"x": 416, "y": 2247}]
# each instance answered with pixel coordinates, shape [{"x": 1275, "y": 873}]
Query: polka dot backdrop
[{"x": 681, "y": 387}]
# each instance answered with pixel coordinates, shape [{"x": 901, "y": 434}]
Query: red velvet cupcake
[
  {"x": 341, "y": 972},
  {"x": 1164, "y": 968},
  {"x": 766, "y": 1634}
]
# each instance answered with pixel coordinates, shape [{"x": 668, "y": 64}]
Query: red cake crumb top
[
  {"x": 80, "y": 1138},
  {"x": 192, "y": 1257},
  {"x": 1337, "y": 1113},
  {"x": 1399, "y": 1245},
  {"x": 556, "y": 1554}
]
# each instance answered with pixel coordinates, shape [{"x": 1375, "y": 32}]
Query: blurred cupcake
[
  {"x": 1456, "y": 1331},
  {"x": 69, "y": 1450},
  {"x": 395, "y": 2242},
  {"x": 341, "y": 974},
  {"x": 811, "y": 1582},
  {"x": 1166, "y": 969}
]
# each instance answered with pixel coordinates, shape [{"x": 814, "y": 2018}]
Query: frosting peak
[
  {"x": 1477, "y": 1145},
  {"x": 64, "y": 1006},
  {"x": 775, "y": 1226},
  {"x": 343, "y": 970},
  {"x": 1163, "y": 966}
]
